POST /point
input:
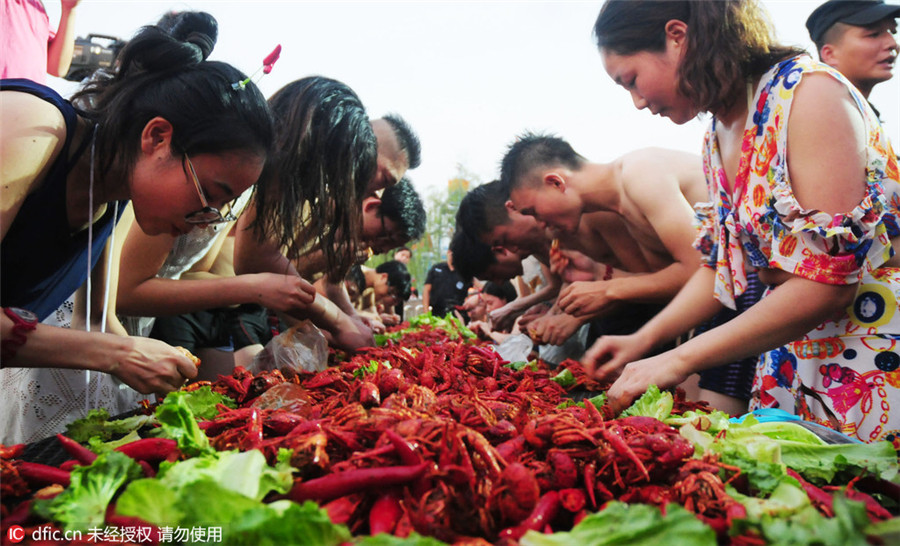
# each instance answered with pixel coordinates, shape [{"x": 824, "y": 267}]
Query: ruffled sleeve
[{"x": 824, "y": 248}]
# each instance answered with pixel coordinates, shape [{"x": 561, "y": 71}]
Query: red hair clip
[{"x": 266, "y": 67}]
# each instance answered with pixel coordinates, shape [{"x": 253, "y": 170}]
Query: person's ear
[
  {"x": 676, "y": 32},
  {"x": 156, "y": 135},
  {"x": 828, "y": 55},
  {"x": 509, "y": 206},
  {"x": 555, "y": 180},
  {"x": 371, "y": 204}
]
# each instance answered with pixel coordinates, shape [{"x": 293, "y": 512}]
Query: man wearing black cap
[{"x": 857, "y": 37}]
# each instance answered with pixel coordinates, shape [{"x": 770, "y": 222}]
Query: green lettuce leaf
[
  {"x": 202, "y": 402},
  {"x": 151, "y": 500},
  {"x": 243, "y": 472},
  {"x": 564, "y": 378},
  {"x": 636, "y": 524},
  {"x": 652, "y": 403},
  {"x": 384, "y": 539},
  {"x": 97, "y": 424},
  {"x": 807, "y": 526},
  {"x": 83, "y": 504},
  {"x": 178, "y": 423}
]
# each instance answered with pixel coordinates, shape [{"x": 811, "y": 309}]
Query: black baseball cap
[{"x": 851, "y": 12}]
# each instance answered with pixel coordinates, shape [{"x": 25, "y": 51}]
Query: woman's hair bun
[{"x": 194, "y": 27}]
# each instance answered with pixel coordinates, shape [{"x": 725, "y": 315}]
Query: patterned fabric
[{"x": 849, "y": 377}]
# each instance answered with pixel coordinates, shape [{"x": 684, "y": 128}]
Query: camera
[{"x": 95, "y": 51}]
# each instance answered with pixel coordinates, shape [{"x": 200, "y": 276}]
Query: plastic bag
[
  {"x": 515, "y": 348},
  {"x": 300, "y": 348}
]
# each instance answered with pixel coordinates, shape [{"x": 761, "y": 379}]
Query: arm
[
  {"x": 693, "y": 305},
  {"x": 799, "y": 305},
  {"x": 509, "y": 312},
  {"x": 827, "y": 154},
  {"x": 61, "y": 47},
  {"x": 252, "y": 255},
  {"x": 426, "y": 297},
  {"x": 147, "y": 365}
]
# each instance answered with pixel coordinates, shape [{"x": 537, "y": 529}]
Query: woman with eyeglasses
[
  {"x": 804, "y": 189},
  {"x": 311, "y": 187},
  {"x": 137, "y": 135}
]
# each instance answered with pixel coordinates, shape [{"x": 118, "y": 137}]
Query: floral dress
[{"x": 846, "y": 372}]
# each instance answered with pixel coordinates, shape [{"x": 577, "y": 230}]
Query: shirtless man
[{"x": 653, "y": 192}]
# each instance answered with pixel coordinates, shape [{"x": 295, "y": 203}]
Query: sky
[{"x": 467, "y": 75}]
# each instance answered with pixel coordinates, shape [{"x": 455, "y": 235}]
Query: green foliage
[{"x": 83, "y": 504}]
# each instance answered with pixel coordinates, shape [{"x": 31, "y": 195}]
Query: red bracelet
[
  {"x": 24, "y": 321},
  {"x": 607, "y": 274}
]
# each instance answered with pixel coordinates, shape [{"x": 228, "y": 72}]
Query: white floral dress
[{"x": 846, "y": 372}]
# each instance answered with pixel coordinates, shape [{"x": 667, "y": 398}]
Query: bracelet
[{"x": 608, "y": 272}]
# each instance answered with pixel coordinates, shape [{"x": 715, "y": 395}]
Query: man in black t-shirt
[{"x": 444, "y": 288}]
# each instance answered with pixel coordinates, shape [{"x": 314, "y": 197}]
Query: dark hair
[
  {"x": 398, "y": 277},
  {"x": 532, "y": 150},
  {"x": 409, "y": 141},
  {"x": 474, "y": 257},
  {"x": 357, "y": 277},
  {"x": 505, "y": 290},
  {"x": 482, "y": 209},
  {"x": 325, "y": 154},
  {"x": 403, "y": 205},
  {"x": 728, "y": 42},
  {"x": 165, "y": 74}
]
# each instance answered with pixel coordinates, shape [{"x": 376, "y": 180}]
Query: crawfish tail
[
  {"x": 339, "y": 484},
  {"x": 819, "y": 497},
  {"x": 541, "y": 516},
  {"x": 385, "y": 513}
]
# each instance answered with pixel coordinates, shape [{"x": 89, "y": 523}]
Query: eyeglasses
[{"x": 208, "y": 214}]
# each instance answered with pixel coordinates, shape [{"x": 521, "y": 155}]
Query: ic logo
[{"x": 15, "y": 534}]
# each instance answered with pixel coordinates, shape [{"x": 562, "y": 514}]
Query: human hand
[
  {"x": 151, "y": 366},
  {"x": 69, "y": 5},
  {"x": 573, "y": 266},
  {"x": 389, "y": 319},
  {"x": 661, "y": 370},
  {"x": 280, "y": 292},
  {"x": 353, "y": 333},
  {"x": 586, "y": 299},
  {"x": 503, "y": 318},
  {"x": 533, "y": 313},
  {"x": 605, "y": 359},
  {"x": 553, "y": 328}
]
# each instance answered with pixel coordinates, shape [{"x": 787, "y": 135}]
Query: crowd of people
[
  {"x": 758, "y": 273},
  {"x": 167, "y": 204}
]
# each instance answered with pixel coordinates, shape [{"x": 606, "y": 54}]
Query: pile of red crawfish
[{"x": 438, "y": 436}]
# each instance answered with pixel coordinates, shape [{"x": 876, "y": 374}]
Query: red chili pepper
[
  {"x": 70, "y": 464},
  {"x": 41, "y": 474},
  {"x": 339, "y": 484},
  {"x": 149, "y": 449},
  {"x": 385, "y": 513},
  {"x": 148, "y": 470},
  {"x": 84, "y": 455},
  {"x": 270, "y": 59}
]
